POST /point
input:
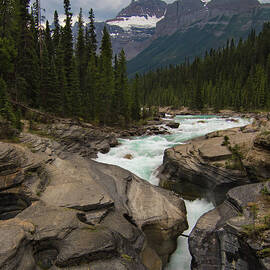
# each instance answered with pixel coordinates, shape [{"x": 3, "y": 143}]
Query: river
[{"x": 147, "y": 155}]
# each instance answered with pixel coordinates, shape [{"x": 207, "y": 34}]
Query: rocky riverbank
[
  {"x": 228, "y": 168},
  {"x": 61, "y": 210}
]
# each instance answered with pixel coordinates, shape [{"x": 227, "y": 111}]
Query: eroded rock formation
[
  {"x": 235, "y": 235},
  {"x": 61, "y": 210}
]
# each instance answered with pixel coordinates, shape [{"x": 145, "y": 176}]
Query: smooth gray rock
[{"x": 66, "y": 211}]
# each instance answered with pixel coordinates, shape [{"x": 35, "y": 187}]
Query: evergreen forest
[
  {"x": 234, "y": 77},
  {"x": 48, "y": 70}
]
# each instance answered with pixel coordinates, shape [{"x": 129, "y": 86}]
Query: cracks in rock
[
  {"x": 45, "y": 253},
  {"x": 86, "y": 258},
  {"x": 93, "y": 217},
  {"x": 130, "y": 220},
  {"x": 127, "y": 216},
  {"x": 11, "y": 205}
]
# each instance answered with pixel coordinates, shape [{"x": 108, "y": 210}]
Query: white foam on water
[
  {"x": 181, "y": 258},
  {"x": 146, "y": 155}
]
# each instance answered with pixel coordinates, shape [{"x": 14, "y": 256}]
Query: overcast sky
[{"x": 103, "y": 9}]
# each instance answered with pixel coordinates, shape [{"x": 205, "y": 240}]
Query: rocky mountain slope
[
  {"x": 189, "y": 28},
  {"x": 133, "y": 27},
  {"x": 61, "y": 210}
]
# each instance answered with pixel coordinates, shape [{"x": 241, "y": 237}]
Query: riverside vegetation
[{"x": 47, "y": 69}]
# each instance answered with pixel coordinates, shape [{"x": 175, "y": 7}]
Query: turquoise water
[{"x": 147, "y": 155}]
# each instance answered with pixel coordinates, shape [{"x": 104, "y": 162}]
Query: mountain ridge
[{"x": 190, "y": 29}]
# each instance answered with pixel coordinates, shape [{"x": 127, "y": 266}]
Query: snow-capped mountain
[
  {"x": 140, "y": 14},
  {"x": 190, "y": 27},
  {"x": 135, "y": 25}
]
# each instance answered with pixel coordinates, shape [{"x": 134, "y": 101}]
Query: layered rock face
[
  {"x": 210, "y": 164},
  {"x": 61, "y": 210},
  {"x": 235, "y": 235},
  {"x": 183, "y": 14}
]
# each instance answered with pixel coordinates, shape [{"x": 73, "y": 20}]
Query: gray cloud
[{"x": 103, "y": 9}]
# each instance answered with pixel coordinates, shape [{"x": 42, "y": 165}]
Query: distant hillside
[{"x": 188, "y": 31}]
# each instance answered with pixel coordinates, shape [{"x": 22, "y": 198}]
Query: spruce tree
[
  {"x": 48, "y": 40},
  {"x": 27, "y": 68},
  {"x": 67, "y": 43},
  {"x": 75, "y": 93},
  {"x": 90, "y": 98},
  {"x": 124, "y": 102},
  {"x": 135, "y": 105},
  {"x": 56, "y": 32},
  {"x": 5, "y": 107},
  {"x": 62, "y": 89},
  {"x": 81, "y": 52},
  {"x": 45, "y": 77},
  {"x": 106, "y": 81},
  {"x": 54, "y": 98},
  {"x": 92, "y": 34}
]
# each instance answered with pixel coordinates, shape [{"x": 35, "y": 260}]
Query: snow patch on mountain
[
  {"x": 127, "y": 23},
  {"x": 261, "y": 1}
]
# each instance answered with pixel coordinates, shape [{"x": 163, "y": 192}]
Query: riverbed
[{"x": 143, "y": 155}]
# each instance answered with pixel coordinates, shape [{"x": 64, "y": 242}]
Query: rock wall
[
  {"x": 61, "y": 210},
  {"x": 228, "y": 168},
  {"x": 219, "y": 240}
]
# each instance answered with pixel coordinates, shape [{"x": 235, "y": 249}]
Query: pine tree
[
  {"x": 124, "y": 102},
  {"x": 27, "y": 68},
  {"x": 48, "y": 40},
  {"x": 81, "y": 52},
  {"x": 92, "y": 45},
  {"x": 135, "y": 106},
  {"x": 75, "y": 94},
  {"x": 106, "y": 82},
  {"x": 5, "y": 107},
  {"x": 61, "y": 88},
  {"x": 56, "y": 32},
  {"x": 67, "y": 43},
  {"x": 54, "y": 98},
  {"x": 90, "y": 98},
  {"x": 45, "y": 77}
]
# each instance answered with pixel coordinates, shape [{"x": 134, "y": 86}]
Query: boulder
[
  {"x": 128, "y": 156},
  {"x": 228, "y": 235},
  {"x": 172, "y": 124},
  {"x": 208, "y": 164},
  {"x": 61, "y": 210},
  {"x": 76, "y": 137}
]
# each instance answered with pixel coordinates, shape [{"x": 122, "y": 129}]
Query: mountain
[
  {"x": 190, "y": 27},
  {"x": 134, "y": 26}
]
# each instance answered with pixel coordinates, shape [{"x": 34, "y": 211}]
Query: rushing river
[{"x": 147, "y": 154}]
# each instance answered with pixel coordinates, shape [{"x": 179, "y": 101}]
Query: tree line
[
  {"x": 236, "y": 77},
  {"x": 47, "y": 69}
]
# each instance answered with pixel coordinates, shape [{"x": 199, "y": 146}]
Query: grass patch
[
  {"x": 235, "y": 162},
  {"x": 226, "y": 141},
  {"x": 265, "y": 191},
  {"x": 264, "y": 253},
  {"x": 126, "y": 257},
  {"x": 218, "y": 165},
  {"x": 11, "y": 140},
  {"x": 265, "y": 133}
]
